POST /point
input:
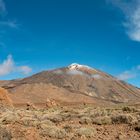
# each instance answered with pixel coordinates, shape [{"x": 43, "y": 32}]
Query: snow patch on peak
[{"x": 75, "y": 66}]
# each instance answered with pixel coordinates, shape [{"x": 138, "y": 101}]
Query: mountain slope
[{"x": 73, "y": 84}]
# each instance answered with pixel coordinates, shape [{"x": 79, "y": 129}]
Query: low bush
[
  {"x": 86, "y": 131},
  {"x": 85, "y": 120},
  {"x": 129, "y": 109},
  {"x": 122, "y": 118},
  {"x": 102, "y": 120},
  {"x": 5, "y": 134},
  {"x": 53, "y": 132}
]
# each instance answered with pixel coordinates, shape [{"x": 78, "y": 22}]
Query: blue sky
[{"x": 37, "y": 35}]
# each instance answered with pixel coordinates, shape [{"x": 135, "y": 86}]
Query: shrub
[
  {"x": 102, "y": 120},
  {"x": 67, "y": 128},
  {"x": 5, "y": 134},
  {"x": 85, "y": 120},
  {"x": 47, "y": 122},
  {"x": 56, "y": 119},
  {"x": 67, "y": 116},
  {"x": 53, "y": 132},
  {"x": 9, "y": 118},
  {"x": 122, "y": 118},
  {"x": 30, "y": 122},
  {"x": 86, "y": 131},
  {"x": 129, "y": 109}
]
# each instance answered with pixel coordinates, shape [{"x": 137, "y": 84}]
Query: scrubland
[{"x": 83, "y": 122}]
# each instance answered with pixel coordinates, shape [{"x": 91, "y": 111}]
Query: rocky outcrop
[{"x": 5, "y": 101}]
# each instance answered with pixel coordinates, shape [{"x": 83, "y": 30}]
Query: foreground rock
[{"x": 5, "y": 101}]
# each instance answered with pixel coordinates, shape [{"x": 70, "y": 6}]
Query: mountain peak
[
  {"x": 75, "y": 83},
  {"x": 76, "y": 66}
]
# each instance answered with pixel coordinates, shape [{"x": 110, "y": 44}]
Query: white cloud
[
  {"x": 8, "y": 66},
  {"x": 131, "y": 10},
  {"x": 133, "y": 24},
  {"x": 25, "y": 69},
  {"x": 138, "y": 67},
  {"x": 130, "y": 74},
  {"x": 126, "y": 75}
]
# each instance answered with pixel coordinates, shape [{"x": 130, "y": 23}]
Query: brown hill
[{"x": 73, "y": 84}]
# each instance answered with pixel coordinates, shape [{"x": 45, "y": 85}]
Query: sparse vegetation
[
  {"x": 5, "y": 134},
  {"x": 53, "y": 131},
  {"x": 88, "y": 132},
  {"x": 129, "y": 109},
  {"x": 82, "y": 122},
  {"x": 85, "y": 120},
  {"x": 103, "y": 120},
  {"x": 122, "y": 118}
]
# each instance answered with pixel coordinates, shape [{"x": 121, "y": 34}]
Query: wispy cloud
[
  {"x": 10, "y": 24},
  {"x": 24, "y": 69},
  {"x": 96, "y": 76},
  {"x": 3, "y": 10},
  {"x": 126, "y": 75},
  {"x": 129, "y": 74},
  {"x": 9, "y": 66},
  {"x": 5, "y": 22},
  {"x": 131, "y": 10},
  {"x": 74, "y": 72}
]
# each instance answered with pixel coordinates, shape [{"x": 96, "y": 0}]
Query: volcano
[{"x": 74, "y": 84}]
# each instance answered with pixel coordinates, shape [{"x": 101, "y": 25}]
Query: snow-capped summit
[{"x": 76, "y": 66}]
